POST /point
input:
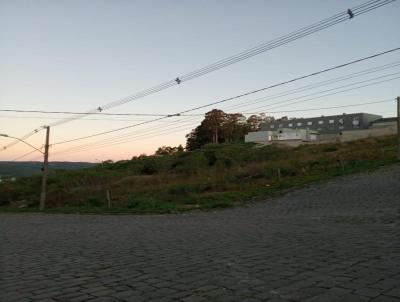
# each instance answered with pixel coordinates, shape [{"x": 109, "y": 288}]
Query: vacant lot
[
  {"x": 216, "y": 176},
  {"x": 338, "y": 241}
]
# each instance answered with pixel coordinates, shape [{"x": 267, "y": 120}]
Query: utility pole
[
  {"x": 45, "y": 170},
  {"x": 398, "y": 127}
]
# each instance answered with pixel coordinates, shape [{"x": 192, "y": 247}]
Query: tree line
[{"x": 220, "y": 127}]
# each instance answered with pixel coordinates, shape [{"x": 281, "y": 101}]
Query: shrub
[
  {"x": 182, "y": 189},
  {"x": 149, "y": 204},
  {"x": 330, "y": 149},
  {"x": 94, "y": 202}
]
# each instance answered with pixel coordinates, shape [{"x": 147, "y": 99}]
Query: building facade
[
  {"x": 258, "y": 137},
  {"x": 325, "y": 124},
  {"x": 282, "y": 134}
]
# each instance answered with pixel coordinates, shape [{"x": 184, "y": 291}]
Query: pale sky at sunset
[{"x": 77, "y": 55}]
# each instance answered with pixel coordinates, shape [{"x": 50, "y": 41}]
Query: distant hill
[{"x": 29, "y": 168}]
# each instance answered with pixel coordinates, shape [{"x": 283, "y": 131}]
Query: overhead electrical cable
[
  {"x": 258, "y": 100},
  {"x": 315, "y": 85},
  {"x": 280, "y": 103},
  {"x": 180, "y": 129},
  {"x": 86, "y": 119},
  {"x": 83, "y": 113},
  {"x": 253, "y": 101},
  {"x": 231, "y": 98},
  {"x": 320, "y": 96},
  {"x": 295, "y": 35},
  {"x": 24, "y": 155}
]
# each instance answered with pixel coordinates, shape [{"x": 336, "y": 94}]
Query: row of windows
[{"x": 320, "y": 122}]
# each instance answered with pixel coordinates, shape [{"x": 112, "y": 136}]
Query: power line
[
  {"x": 295, "y": 35},
  {"x": 334, "y": 93},
  {"x": 85, "y": 113},
  {"x": 325, "y": 95},
  {"x": 180, "y": 129},
  {"x": 24, "y": 137},
  {"x": 315, "y": 85},
  {"x": 284, "y": 103},
  {"x": 112, "y": 141},
  {"x": 86, "y": 119},
  {"x": 305, "y": 31},
  {"x": 292, "y": 91},
  {"x": 262, "y": 99},
  {"x": 234, "y": 97},
  {"x": 291, "y": 81},
  {"x": 22, "y": 156}
]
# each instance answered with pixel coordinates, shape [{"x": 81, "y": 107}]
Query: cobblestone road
[{"x": 338, "y": 241}]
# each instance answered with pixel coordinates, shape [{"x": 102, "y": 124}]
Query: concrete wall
[
  {"x": 364, "y": 133},
  {"x": 350, "y": 135},
  {"x": 385, "y": 124},
  {"x": 347, "y": 136},
  {"x": 258, "y": 137}
]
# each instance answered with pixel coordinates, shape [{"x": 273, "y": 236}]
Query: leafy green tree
[
  {"x": 167, "y": 150},
  {"x": 217, "y": 127}
]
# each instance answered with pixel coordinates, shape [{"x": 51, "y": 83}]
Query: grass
[{"x": 217, "y": 176}]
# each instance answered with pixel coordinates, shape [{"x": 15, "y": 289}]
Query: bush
[
  {"x": 94, "y": 202},
  {"x": 149, "y": 167},
  {"x": 149, "y": 204},
  {"x": 182, "y": 189},
  {"x": 330, "y": 149}
]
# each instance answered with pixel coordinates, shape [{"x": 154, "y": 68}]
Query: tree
[
  {"x": 213, "y": 122},
  {"x": 167, "y": 150},
  {"x": 254, "y": 121},
  {"x": 217, "y": 127},
  {"x": 234, "y": 127}
]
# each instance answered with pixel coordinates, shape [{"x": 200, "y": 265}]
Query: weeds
[{"x": 215, "y": 176}]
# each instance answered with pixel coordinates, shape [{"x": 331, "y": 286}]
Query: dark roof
[{"x": 323, "y": 116}]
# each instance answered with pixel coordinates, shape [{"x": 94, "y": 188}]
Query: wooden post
[
  {"x": 341, "y": 164},
  {"x": 108, "y": 199},
  {"x": 279, "y": 174},
  {"x": 45, "y": 171},
  {"x": 398, "y": 127}
]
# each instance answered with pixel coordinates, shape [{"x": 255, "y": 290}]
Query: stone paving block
[
  {"x": 395, "y": 292},
  {"x": 329, "y": 242},
  {"x": 383, "y": 298},
  {"x": 368, "y": 292}
]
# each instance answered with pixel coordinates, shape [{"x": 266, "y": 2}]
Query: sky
[{"x": 79, "y": 55}]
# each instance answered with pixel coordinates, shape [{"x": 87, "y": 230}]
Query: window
[
  {"x": 356, "y": 121},
  {"x": 272, "y": 126},
  {"x": 341, "y": 121},
  {"x": 331, "y": 121},
  {"x": 299, "y": 124},
  {"x": 320, "y": 122},
  {"x": 290, "y": 125},
  {"x": 309, "y": 123},
  {"x": 280, "y": 125}
]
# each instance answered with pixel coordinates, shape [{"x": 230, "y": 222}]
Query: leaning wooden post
[
  {"x": 108, "y": 199},
  {"x": 42, "y": 203}
]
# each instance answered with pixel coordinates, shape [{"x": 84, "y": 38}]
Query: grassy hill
[{"x": 214, "y": 176}]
